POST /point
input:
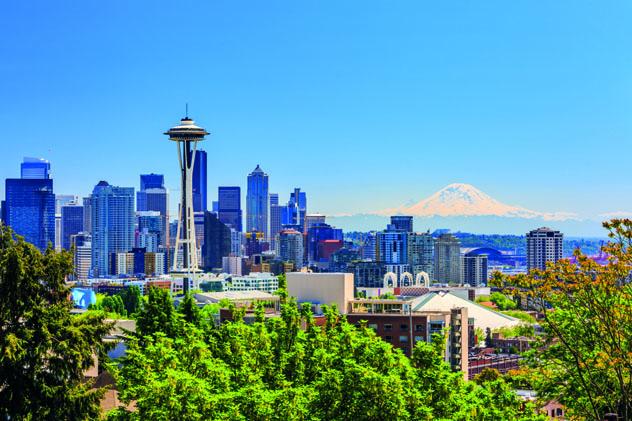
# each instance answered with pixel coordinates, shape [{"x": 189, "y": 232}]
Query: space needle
[{"x": 186, "y": 135}]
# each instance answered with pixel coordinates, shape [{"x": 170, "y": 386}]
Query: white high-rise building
[{"x": 543, "y": 245}]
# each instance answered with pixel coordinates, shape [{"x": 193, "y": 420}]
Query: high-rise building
[
  {"x": 216, "y": 242},
  {"x": 35, "y": 168},
  {"x": 421, "y": 253},
  {"x": 447, "y": 259},
  {"x": 112, "y": 224},
  {"x": 290, "y": 247},
  {"x": 402, "y": 223},
  {"x": 543, "y": 245},
  {"x": 369, "y": 246},
  {"x": 474, "y": 269},
  {"x": 295, "y": 211},
  {"x": 257, "y": 202},
  {"x": 154, "y": 197},
  {"x": 229, "y": 206},
  {"x": 276, "y": 211},
  {"x": 87, "y": 215},
  {"x": 367, "y": 274},
  {"x": 150, "y": 231},
  {"x": 82, "y": 243},
  {"x": 314, "y": 219},
  {"x": 254, "y": 243},
  {"x": 200, "y": 198},
  {"x": 29, "y": 209},
  {"x": 317, "y": 234},
  {"x": 61, "y": 200},
  {"x": 71, "y": 223},
  {"x": 392, "y": 246},
  {"x": 236, "y": 243}
]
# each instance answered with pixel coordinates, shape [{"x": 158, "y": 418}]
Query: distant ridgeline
[{"x": 517, "y": 243}]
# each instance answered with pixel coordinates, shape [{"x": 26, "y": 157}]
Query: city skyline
[{"x": 525, "y": 104}]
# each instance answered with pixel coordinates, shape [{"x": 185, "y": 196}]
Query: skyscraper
[
  {"x": 229, "y": 207},
  {"x": 87, "y": 215},
  {"x": 112, "y": 224},
  {"x": 60, "y": 201},
  {"x": 29, "y": 209},
  {"x": 474, "y": 269},
  {"x": 543, "y": 245},
  {"x": 35, "y": 168},
  {"x": 71, "y": 223},
  {"x": 317, "y": 235},
  {"x": 150, "y": 235},
  {"x": 290, "y": 247},
  {"x": 200, "y": 198},
  {"x": 296, "y": 210},
  {"x": 392, "y": 246},
  {"x": 447, "y": 256},
  {"x": 421, "y": 253},
  {"x": 402, "y": 223},
  {"x": 154, "y": 197},
  {"x": 275, "y": 218},
  {"x": 82, "y": 243},
  {"x": 216, "y": 242},
  {"x": 257, "y": 202}
]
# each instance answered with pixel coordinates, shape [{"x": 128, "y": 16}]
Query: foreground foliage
[
  {"x": 288, "y": 368},
  {"x": 44, "y": 350},
  {"x": 584, "y": 359}
]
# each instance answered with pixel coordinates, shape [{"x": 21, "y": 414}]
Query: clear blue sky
[{"x": 364, "y": 104}]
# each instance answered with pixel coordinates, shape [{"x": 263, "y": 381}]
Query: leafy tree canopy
[
  {"x": 289, "y": 368},
  {"x": 584, "y": 358},
  {"x": 44, "y": 350}
]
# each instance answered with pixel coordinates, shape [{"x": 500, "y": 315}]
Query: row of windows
[{"x": 403, "y": 326}]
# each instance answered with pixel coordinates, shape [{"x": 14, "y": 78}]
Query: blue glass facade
[
  {"x": 296, "y": 209},
  {"x": 152, "y": 181},
  {"x": 257, "y": 202},
  {"x": 71, "y": 224},
  {"x": 153, "y": 197},
  {"x": 30, "y": 210},
  {"x": 317, "y": 233},
  {"x": 199, "y": 182},
  {"x": 35, "y": 168},
  {"x": 229, "y": 207},
  {"x": 112, "y": 224}
]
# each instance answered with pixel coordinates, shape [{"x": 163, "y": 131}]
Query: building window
[
  {"x": 403, "y": 339},
  {"x": 388, "y": 326},
  {"x": 373, "y": 326},
  {"x": 403, "y": 327},
  {"x": 420, "y": 328},
  {"x": 388, "y": 338},
  {"x": 419, "y": 338}
]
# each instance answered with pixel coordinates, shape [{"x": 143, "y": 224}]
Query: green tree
[
  {"x": 189, "y": 310},
  {"x": 158, "y": 315},
  {"x": 584, "y": 357},
  {"x": 44, "y": 350},
  {"x": 289, "y": 368},
  {"x": 132, "y": 299},
  {"x": 114, "y": 304},
  {"x": 502, "y": 301}
]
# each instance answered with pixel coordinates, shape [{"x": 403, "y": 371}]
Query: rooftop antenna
[{"x": 187, "y": 109}]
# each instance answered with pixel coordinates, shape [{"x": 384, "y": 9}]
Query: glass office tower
[{"x": 29, "y": 209}]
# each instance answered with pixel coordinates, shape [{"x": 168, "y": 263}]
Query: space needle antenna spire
[{"x": 186, "y": 136}]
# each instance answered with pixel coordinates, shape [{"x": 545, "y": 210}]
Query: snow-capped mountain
[{"x": 460, "y": 199}]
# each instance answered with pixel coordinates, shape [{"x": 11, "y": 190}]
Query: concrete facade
[{"x": 321, "y": 288}]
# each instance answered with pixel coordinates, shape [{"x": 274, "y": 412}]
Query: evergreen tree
[
  {"x": 44, "y": 350},
  {"x": 189, "y": 310},
  {"x": 132, "y": 299},
  {"x": 158, "y": 315}
]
